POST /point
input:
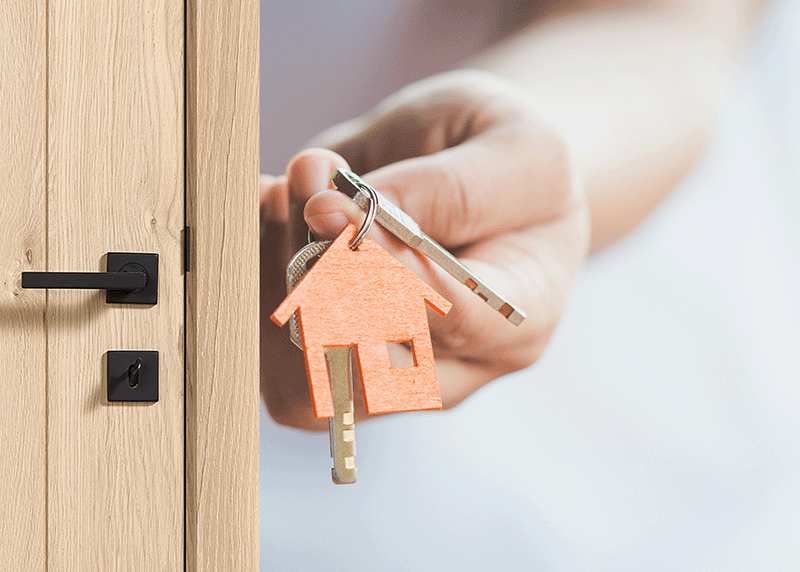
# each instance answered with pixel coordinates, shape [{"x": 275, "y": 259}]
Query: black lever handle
[
  {"x": 132, "y": 278},
  {"x": 85, "y": 280}
]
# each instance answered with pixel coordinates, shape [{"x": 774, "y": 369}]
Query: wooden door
[{"x": 124, "y": 123}]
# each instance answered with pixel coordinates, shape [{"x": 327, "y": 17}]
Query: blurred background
[{"x": 661, "y": 429}]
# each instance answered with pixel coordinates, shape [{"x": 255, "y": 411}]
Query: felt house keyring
[
  {"x": 357, "y": 297},
  {"x": 364, "y": 298}
]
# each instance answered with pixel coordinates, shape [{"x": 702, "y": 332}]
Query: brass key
[
  {"x": 342, "y": 432},
  {"x": 403, "y": 227}
]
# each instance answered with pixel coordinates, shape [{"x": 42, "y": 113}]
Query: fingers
[
  {"x": 510, "y": 177},
  {"x": 274, "y": 198},
  {"x": 510, "y": 261},
  {"x": 463, "y": 155},
  {"x": 471, "y": 320},
  {"x": 534, "y": 268},
  {"x": 328, "y": 211},
  {"x": 283, "y": 384}
]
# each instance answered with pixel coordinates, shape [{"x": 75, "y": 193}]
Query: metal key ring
[
  {"x": 373, "y": 209},
  {"x": 362, "y": 232}
]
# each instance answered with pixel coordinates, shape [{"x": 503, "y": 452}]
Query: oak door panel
[
  {"x": 115, "y": 160},
  {"x": 23, "y": 391}
]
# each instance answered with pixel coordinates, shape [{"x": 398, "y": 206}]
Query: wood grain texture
[
  {"x": 366, "y": 298},
  {"x": 116, "y": 183},
  {"x": 222, "y": 286},
  {"x": 23, "y": 392}
]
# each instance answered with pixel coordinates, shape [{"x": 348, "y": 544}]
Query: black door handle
[
  {"x": 132, "y": 278},
  {"x": 85, "y": 280}
]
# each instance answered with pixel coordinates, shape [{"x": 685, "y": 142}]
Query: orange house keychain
[{"x": 359, "y": 296}]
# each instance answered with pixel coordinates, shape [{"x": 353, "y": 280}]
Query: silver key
[
  {"x": 295, "y": 272},
  {"x": 340, "y": 372},
  {"x": 403, "y": 227},
  {"x": 341, "y": 428}
]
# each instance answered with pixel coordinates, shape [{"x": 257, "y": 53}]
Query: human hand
[{"x": 465, "y": 155}]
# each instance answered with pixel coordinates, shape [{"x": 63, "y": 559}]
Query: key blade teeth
[
  {"x": 343, "y": 451},
  {"x": 342, "y": 431}
]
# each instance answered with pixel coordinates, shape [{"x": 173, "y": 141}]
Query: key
[
  {"x": 341, "y": 429},
  {"x": 295, "y": 271},
  {"x": 403, "y": 227}
]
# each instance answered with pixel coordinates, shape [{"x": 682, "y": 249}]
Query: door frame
[{"x": 222, "y": 285}]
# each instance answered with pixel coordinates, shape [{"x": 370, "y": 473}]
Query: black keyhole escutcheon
[{"x": 132, "y": 375}]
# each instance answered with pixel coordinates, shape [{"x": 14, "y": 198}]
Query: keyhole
[{"x": 133, "y": 373}]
